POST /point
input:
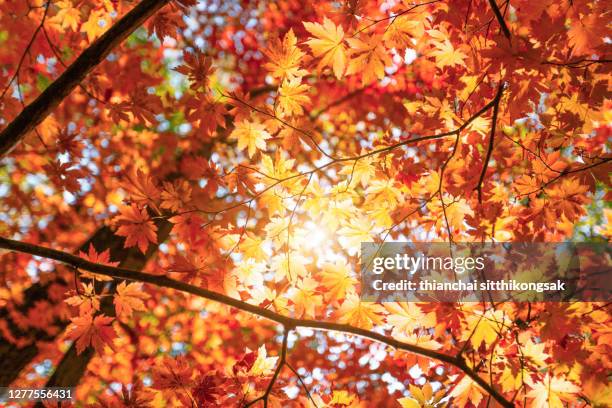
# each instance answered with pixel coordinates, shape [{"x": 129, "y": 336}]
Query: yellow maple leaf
[
  {"x": 405, "y": 317},
  {"x": 305, "y": 297},
  {"x": 448, "y": 56},
  {"x": 252, "y": 247},
  {"x": 263, "y": 364},
  {"x": 480, "y": 125},
  {"x": 408, "y": 402},
  {"x": 291, "y": 268},
  {"x": 284, "y": 57},
  {"x": 129, "y": 297},
  {"x": 328, "y": 44},
  {"x": 484, "y": 327},
  {"x": 292, "y": 97},
  {"x": 341, "y": 398},
  {"x": 272, "y": 201},
  {"x": 356, "y": 231},
  {"x": 337, "y": 279},
  {"x": 250, "y": 135},
  {"x": 359, "y": 172},
  {"x": 457, "y": 211},
  {"x": 383, "y": 191},
  {"x": 466, "y": 391},
  {"x": 97, "y": 23},
  {"x": 402, "y": 30},
  {"x": 279, "y": 169},
  {"x": 360, "y": 314},
  {"x": 551, "y": 392},
  {"x": 370, "y": 58},
  {"x": 422, "y": 397},
  {"x": 67, "y": 15},
  {"x": 276, "y": 230}
]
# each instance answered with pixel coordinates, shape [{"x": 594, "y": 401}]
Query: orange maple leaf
[
  {"x": 93, "y": 331},
  {"x": 129, "y": 297},
  {"x": 328, "y": 43},
  {"x": 136, "y": 227}
]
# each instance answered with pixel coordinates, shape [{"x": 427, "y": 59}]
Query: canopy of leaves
[{"x": 247, "y": 148}]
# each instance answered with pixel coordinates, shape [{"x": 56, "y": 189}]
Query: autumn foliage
[{"x": 196, "y": 200}]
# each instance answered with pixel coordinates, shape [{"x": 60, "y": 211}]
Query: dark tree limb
[
  {"x": 498, "y": 95},
  {"x": 50, "y": 98},
  {"x": 500, "y": 18},
  {"x": 282, "y": 361},
  {"x": 286, "y": 321}
]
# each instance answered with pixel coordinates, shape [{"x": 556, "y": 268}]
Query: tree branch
[
  {"x": 498, "y": 95},
  {"x": 500, "y": 18},
  {"x": 50, "y": 98},
  {"x": 286, "y": 321},
  {"x": 281, "y": 363}
]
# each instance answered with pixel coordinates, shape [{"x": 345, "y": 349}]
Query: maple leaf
[
  {"x": 291, "y": 268},
  {"x": 198, "y": 68},
  {"x": 526, "y": 185},
  {"x": 163, "y": 24},
  {"x": 342, "y": 398},
  {"x": 402, "y": 30},
  {"x": 142, "y": 104},
  {"x": 368, "y": 57},
  {"x": 129, "y": 298},
  {"x": 448, "y": 56},
  {"x": 87, "y": 301},
  {"x": 175, "y": 194},
  {"x": 137, "y": 228},
  {"x": 93, "y": 331},
  {"x": 456, "y": 210},
  {"x": 484, "y": 327},
  {"x": 328, "y": 44},
  {"x": 551, "y": 392},
  {"x": 97, "y": 23},
  {"x": 65, "y": 175},
  {"x": 568, "y": 197},
  {"x": 466, "y": 391},
  {"x": 480, "y": 125},
  {"x": 359, "y": 314},
  {"x": 423, "y": 397},
  {"x": 251, "y": 247},
  {"x": 584, "y": 36},
  {"x": 188, "y": 227},
  {"x": 263, "y": 365},
  {"x": 305, "y": 297},
  {"x": 97, "y": 257},
  {"x": 172, "y": 374},
  {"x": 383, "y": 192},
  {"x": 356, "y": 231},
  {"x": 337, "y": 279},
  {"x": 250, "y": 135},
  {"x": 292, "y": 97},
  {"x": 67, "y": 15},
  {"x": 359, "y": 172},
  {"x": 208, "y": 390},
  {"x": 141, "y": 188},
  {"x": 405, "y": 317},
  {"x": 285, "y": 57},
  {"x": 208, "y": 112}
]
